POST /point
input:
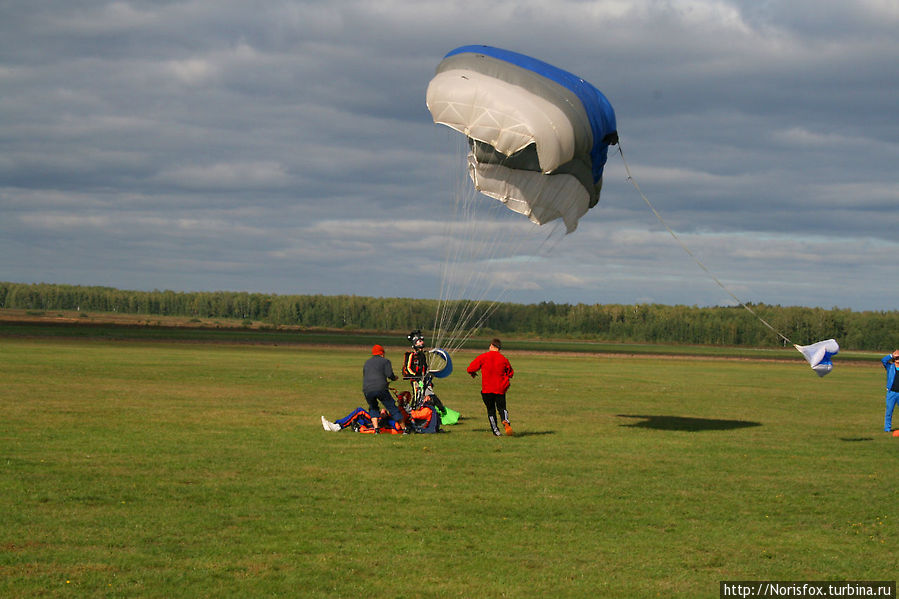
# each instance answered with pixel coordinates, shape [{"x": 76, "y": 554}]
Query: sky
[{"x": 285, "y": 147}]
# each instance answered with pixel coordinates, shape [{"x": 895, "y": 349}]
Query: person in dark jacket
[
  {"x": 496, "y": 375},
  {"x": 376, "y": 373}
]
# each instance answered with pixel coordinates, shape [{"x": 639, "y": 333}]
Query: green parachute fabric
[{"x": 450, "y": 417}]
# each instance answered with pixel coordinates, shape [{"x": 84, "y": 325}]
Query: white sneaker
[{"x": 330, "y": 426}]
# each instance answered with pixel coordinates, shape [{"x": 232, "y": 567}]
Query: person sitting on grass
[{"x": 426, "y": 418}]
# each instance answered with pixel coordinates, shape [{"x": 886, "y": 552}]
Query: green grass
[{"x": 201, "y": 470}]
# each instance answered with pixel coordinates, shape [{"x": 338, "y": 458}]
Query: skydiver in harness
[{"x": 416, "y": 371}]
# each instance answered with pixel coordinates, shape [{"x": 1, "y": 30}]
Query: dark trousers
[
  {"x": 495, "y": 402},
  {"x": 372, "y": 397}
]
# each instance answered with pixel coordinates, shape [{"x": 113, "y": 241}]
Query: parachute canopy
[
  {"x": 819, "y": 354},
  {"x": 538, "y": 135}
]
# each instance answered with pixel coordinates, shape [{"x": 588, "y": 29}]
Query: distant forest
[{"x": 638, "y": 323}]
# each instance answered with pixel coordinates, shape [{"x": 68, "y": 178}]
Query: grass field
[{"x": 139, "y": 469}]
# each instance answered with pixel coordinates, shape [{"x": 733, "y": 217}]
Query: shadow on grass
[
  {"x": 517, "y": 432},
  {"x": 856, "y": 439},
  {"x": 684, "y": 423}
]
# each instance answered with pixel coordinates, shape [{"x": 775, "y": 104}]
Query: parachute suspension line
[
  {"x": 477, "y": 245},
  {"x": 467, "y": 241},
  {"x": 711, "y": 275},
  {"x": 457, "y": 239},
  {"x": 450, "y": 259},
  {"x": 462, "y": 313},
  {"x": 468, "y": 327},
  {"x": 472, "y": 317}
]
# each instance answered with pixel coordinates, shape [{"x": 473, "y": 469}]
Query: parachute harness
[{"x": 698, "y": 262}]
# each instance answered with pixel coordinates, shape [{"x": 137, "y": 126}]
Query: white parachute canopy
[
  {"x": 819, "y": 354},
  {"x": 539, "y": 136}
]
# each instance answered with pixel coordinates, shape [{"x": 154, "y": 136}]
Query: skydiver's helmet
[{"x": 416, "y": 339}]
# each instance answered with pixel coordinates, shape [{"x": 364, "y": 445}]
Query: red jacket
[{"x": 495, "y": 371}]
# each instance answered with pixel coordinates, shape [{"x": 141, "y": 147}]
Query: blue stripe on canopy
[{"x": 599, "y": 110}]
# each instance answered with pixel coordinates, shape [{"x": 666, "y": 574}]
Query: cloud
[
  {"x": 231, "y": 176},
  {"x": 286, "y": 147}
]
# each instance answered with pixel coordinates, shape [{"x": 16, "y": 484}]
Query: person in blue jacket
[{"x": 891, "y": 364}]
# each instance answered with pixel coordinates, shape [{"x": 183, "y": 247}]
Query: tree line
[{"x": 638, "y": 323}]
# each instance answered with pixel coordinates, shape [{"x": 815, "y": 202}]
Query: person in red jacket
[{"x": 496, "y": 372}]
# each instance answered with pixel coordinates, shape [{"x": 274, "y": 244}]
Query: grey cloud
[{"x": 286, "y": 147}]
